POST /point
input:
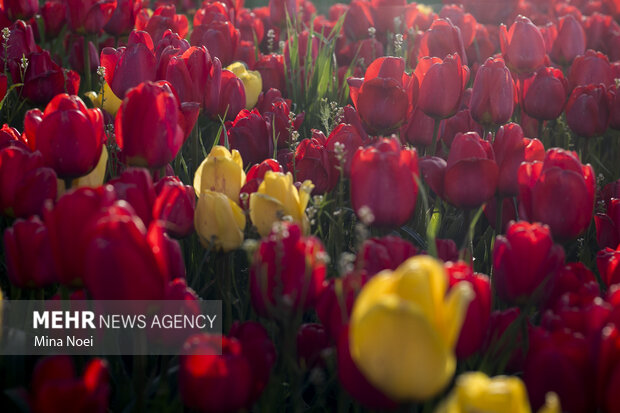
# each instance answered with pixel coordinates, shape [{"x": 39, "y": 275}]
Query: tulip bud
[
  {"x": 442, "y": 39},
  {"x": 591, "y": 68},
  {"x": 493, "y": 94},
  {"x": 442, "y": 83},
  {"x": 221, "y": 171},
  {"x": 571, "y": 40},
  {"x": 174, "y": 205},
  {"x": 523, "y": 46},
  {"x": 544, "y": 94},
  {"x": 164, "y": 18},
  {"x": 220, "y": 38},
  {"x": 312, "y": 162},
  {"x": 588, "y": 109},
  {"x": 249, "y": 134}
]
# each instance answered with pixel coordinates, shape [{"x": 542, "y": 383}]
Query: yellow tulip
[
  {"x": 252, "y": 82},
  {"x": 276, "y": 198},
  {"x": 221, "y": 171},
  {"x": 93, "y": 179},
  {"x": 219, "y": 221},
  {"x": 476, "y": 392},
  {"x": 404, "y": 328},
  {"x": 111, "y": 102}
]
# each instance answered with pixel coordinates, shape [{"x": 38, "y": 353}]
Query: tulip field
[{"x": 407, "y": 207}]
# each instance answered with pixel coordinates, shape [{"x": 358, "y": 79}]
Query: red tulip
[
  {"x": 545, "y": 187},
  {"x": 384, "y": 12},
  {"x": 479, "y": 311},
  {"x": 255, "y": 177},
  {"x": 20, "y": 43},
  {"x": 279, "y": 9},
  {"x": 464, "y": 21},
  {"x": 433, "y": 170},
  {"x": 441, "y": 39},
  {"x": 607, "y": 359},
  {"x": 232, "y": 96},
  {"x": 358, "y": 20},
  {"x": 169, "y": 46},
  {"x": 491, "y": 13},
  {"x": 20, "y": 9},
  {"x": 123, "y": 18},
  {"x": 189, "y": 74},
  {"x": 544, "y": 94},
  {"x": 135, "y": 186},
  {"x": 44, "y": 79},
  {"x": 493, "y": 94},
  {"x": 220, "y": 37},
  {"x": 471, "y": 173},
  {"x": 69, "y": 135},
  {"x": 174, "y": 206},
  {"x": 10, "y": 137},
  {"x": 574, "y": 279},
  {"x": 75, "y": 44},
  {"x": 312, "y": 161},
  {"x": 387, "y": 253},
  {"x": 25, "y": 183},
  {"x": 511, "y": 148},
  {"x": 287, "y": 272},
  {"x": 607, "y": 261},
  {"x": 441, "y": 85},
  {"x": 53, "y": 14},
  {"x": 385, "y": 96},
  {"x": 249, "y": 134},
  {"x": 347, "y": 135},
  {"x": 271, "y": 69},
  {"x": 590, "y": 69},
  {"x": 608, "y": 225},
  {"x": 523, "y": 46},
  {"x": 383, "y": 180},
  {"x": 312, "y": 341},
  {"x": 336, "y": 302},
  {"x": 511, "y": 344},
  {"x": 151, "y": 125},
  {"x": 127, "y": 67},
  {"x": 523, "y": 260},
  {"x": 89, "y": 16},
  {"x": 462, "y": 122},
  {"x": 588, "y": 110},
  {"x": 281, "y": 121},
  {"x": 250, "y": 27},
  {"x": 55, "y": 386},
  {"x": 163, "y": 18},
  {"x": 570, "y": 42}
]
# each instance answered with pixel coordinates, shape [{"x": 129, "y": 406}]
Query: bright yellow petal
[
  {"x": 96, "y": 176},
  {"x": 264, "y": 211}
]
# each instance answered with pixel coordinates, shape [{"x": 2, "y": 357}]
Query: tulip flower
[
  {"x": 55, "y": 385},
  {"x": 25, "y": 182},
  {"x": 89, "y": 16},
  {"x": 523, "y": 46},
  {"x": 189, "y": 74},
  {"x": 608, "y": 225},
  {"x": 471, "y": 172},
  {"x": 493, "y": 94},
  {"x": 221, "y": 171},
  {"x": 475, "y": 391},
  {"x": 570, "y": 42},
  {"x": 232, "y": 98},
  {"x": 588, "y": 110},
  {"x": 387, "y": 253},
  {"x": 135, "y": 186},
  {"x": 174, "y": 205},
  {"x": 53, "y": 14},
  {"x": 287, "y": 272},
  {"x": 106, "y": 100},
  {"x": 20, "y": 9},
  {"x": 590, "y": 69},
  {"x": 607, "y": 261},
  {"x": 348, "y": 136},
  {"x": 220, "y": 37},
  {"x": 68, "y": 135},
  {"x": 419, "y": 128},
  {"x": 388, "y": 193},
  {"x": 123, "y": 18},
  {"x": 254, "y": 178},
  {"x": 156, "y": 142},
  {"x": 545, "y": 187},
  {"x": 385, "y": 96},
  {"x": 163, "y": 18},
  {"x": 28, "y": 254},
  {"x": 44, "y": 79},
  {"x": 252, "y": 83},
  {"x": 271, "y": 69},
  {"x": 358, "y": 20},
  {"x": 442, "y": 83},
  {"x": 441, "y": 39},
  {"x": 312, "y": 162},
  {"x": 574, "y": 279},
  {"x": 523, "y": 260},
  {"x": 312, "y": 342},
  {"x": 219, "y": 221},
  {"x": 404, "y": 328},
  {"x": 281, "y": 121},
  {"x": 544, "y": 94}
]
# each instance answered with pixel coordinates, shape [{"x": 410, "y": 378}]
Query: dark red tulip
[
  {"x": 383, "y": 180},
  {"x": 387, "y": 253},
  {"x": 312, "y": 342},
  {"x": 419, "y": 128},
  {"x": 464, "y": 21},
  {"x": 220, "y": 37},
  {"x": 232, "y": 96},
  {"x": 55, "y": 386},
  {"x": 614, "y": 107},
  {"x": 479, "y": 311},
  {"x": 441, "y": 39},
  {"x": 491, "y": 13},
  {"x": 69, "y": 135},
  {"x": 287, "y": 272},
  {"x": 347, "y": 135},
  {"x": 210, "y": 12},
  {"x": 123, "y": 18},
  {"x": 509, "y": 213},
  {"x": 129, "y": 66},
  {"x": 135, "y": 186},
  {"x": 169, "y": 46},
  {"x": 336, "y": 302},
  {"x": 570, "y": 42},
  {"x": 558, "y": 180},
  {"x": 433, "y": 170},
  {"x": 588, "y": 110},
  {"x": 281, "y": 121},
  {"x": 590, "y": 69},
  {"x": 151, "y": 125},
  {"x": 511, "y": 148},
  {"x": 54, "y": 17},
  {"x": 461, "y": 122},
  {"x": 358, "y": 20},
  {"x": 608, "y": 225},
  {"x": 493, "y": 93},
  {"x": 246, "y": 53},
  {"x": 574, "y": 279},
  {"x": 249, "y": 134},
  {"x": 44, "y": 79},
  {"x": 271, "y": 69},
  {"x": 20, "y": 43},
  {"x": 523, "y": 46},
  {"x": 10, "y": 137},
  {"x": 442, "y": 83},
  {"x": 189, "y": 74},
  {"x": 559, "y": 362},
  {"x": 203, "y": 379},
  {"x": 607, "y": 261},
  {"x": 163, "y": 18},
  {"x": 544, "y": 94},
  {"x": 524, "y": 260},
  {"x": 89, "y": 16},
  {"x": 25, "y": 182},
  {"x": 20, "y": 9},
  {"x": 28, "y": 254},
  {"x": 385, "y": 96},
  {"x": 471, "y": 175},
  {"x": 312, "y": 161},
  {"x": 174, "y": 206},
  {"x": 251, "y": 29}
]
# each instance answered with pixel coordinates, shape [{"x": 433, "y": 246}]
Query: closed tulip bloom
[
  {"x": 312, "y": 162},
  {"x": 219, "y": 221},
  {"x": 20, "y": 9},
  {"x": 471, "y": 173},
  {"x": 588, "y": 110},
  {"x": 347, "y": 135},
  {"x": 560, "y": 179},
  {"x": 383, "y": 181},
  {"x": 89, "y": 16},
  {"x": 189, "y": 74},
  {"x": 418, "y": 130},
  {"x": 28, "y": 254},
  {"x": 544, "y": 94},
  {"x": 441, "y": 39},
  {"x": 358, "y": 20},
  {"x": 220, "y": 37},
  {"x": 276, "y": 198},
  {"x": 464, "y": 21},
  {"x": 221, "y": 171},
  {"x": 475, "y": 391},
  {"x": 442, "y": 83},
  {"x": 249, "y": 134},
  {"x": 511, "y": 148},
  {"x": 404, "y": 328},
  {"x": 591, "y": 68},
  {"x": 387, "y": 253},
  {"x": 608, "y": 264},
  {"x": 385, "y": 96},
  {"x": 523, "y": 46},
  {"x": 570, "y": 42},
  {"x": 162, "y": 19},
  {"x": 123, "y": 18},
  {"x": 135, "y": 185},
  {"x": 252, "y": 83},
  {"x": 608, "y": 225},
  {"x": 271, "y": 69},
  {"x": 523, "y": 260},
  {"x": 493, "y": 94},
  {"x": 44, "y": 79},
  {"x": 232, "y": 98},
  {"x": 54, "y": 18},
  {"x": 68, "y": 134},
  {"x": 287, "y": 272},
  {"x": 174, "y": 206}
]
